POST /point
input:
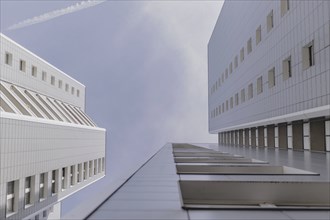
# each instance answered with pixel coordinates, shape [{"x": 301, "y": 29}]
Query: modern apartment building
[
  {"x": 49, "y": 147},
  {"x": 269, "y": 74}
]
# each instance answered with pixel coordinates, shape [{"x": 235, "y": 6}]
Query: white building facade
[
  {"x": 269, "y": 74},
  {"x": 49, "y": 147}
]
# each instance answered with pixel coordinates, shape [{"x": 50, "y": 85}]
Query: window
[
  {"x": 231, "y": 102},
  {"x": 72, "y": 172},
  {"x": 249, "y": 46},
  {"x": 258, "y": 35},
  {"x": 226, "y": 73},
  {"x": 10, "y": 205},
  {"x": 34, "y": 71},
  {"x": 8, "y": 58},
  {"x": 72, "y": 90},
  {"x": 42, "y": 186},
  {"x": 223, "y": 77},
  {"x": 236, "y": 62},
  {"x": 52, "y": 80},
  {"x": 270, "y": 21},
  {"x": 66, "y": 87},
  {"x": 44, "y": 213},
  {"x": 286, "y": 66},
  {"x": 28, "y": 191},
  {"x": 250, "y": 91},
  {"x": 259, "y": 85},
  {"x": 85, "y": 170},
  {"x": 60, "y": 84},
  {"x": 236, "y": 99},
  {"x": 64, "y": 178},
  {"x": 36, "y": 217},
  {"x": 22, "y": 65},
  {"x": 44, "y": 76},
  {"x": 223, "y": 107},
  {"x": 103, "y": 161},
  {"x": 242, "y": 54},
  {"x": 231, "y": 68},
  {"x": 227, "y": 105},
  {"x": 243, "y": 95},
  {"x": 271, "y": 77},
  {"x": 95, "y": 167},
  {"x": 284, "y": 7},
  {"x": 90, "y": 168},
  {"x": 79, "y": 173},
  {"x": 54, "y": 182},
  {"x": 99, "y": 160},
  {"x": 308, "y": 55}
]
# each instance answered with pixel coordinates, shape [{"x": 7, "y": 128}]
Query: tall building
[
  {"x": 269, "y": 75},
  {"x": 49, "y": 147}
]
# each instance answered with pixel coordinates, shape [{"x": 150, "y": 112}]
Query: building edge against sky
[
  {"x": 269, "y": 74},
  {"x": 49, "y": 147}
]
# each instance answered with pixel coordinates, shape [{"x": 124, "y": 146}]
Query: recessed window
[
  {"x": 249, "y": 46},
  {"x": 258, "y": 35},
  {"x": 286, "y": 65},
  {"x": 250, "y": 91},
  {"x": 259, "y": 85},
  {"x": 72, "y": 90},
  {"x": 231, "y": 102},
  {"x": 90, "y": 168},
  {"x": 52, "y": 80},
  {"x": 72, "y": 174},
  {"x": 271, "y": 78},
  {"x": 79, "y": 173},
  {"x": 85, "y": 170},
  {"x": 236, "y": 62},
  {"x": 231, "y": 68},
  {"x": 308, "y": 55},
  {"x": 243, "y": 95},
  {"x": 226, "y": 73},
  {"x": 227, "y": 105},
  {"x": 34, "y": 71},
  {"x": 242, "y": 54},
  {"x": 44, "y": 76},
  {"x": 103, "y": 163},
  {"x": 236, "y": 99},
  {"x": 42, "y": 186},
  {"x": 36, "y": 217},
  {"x": 11, "y": 199},
  {"x": 54, "y": 182},
  {"x": 64, "y": 178},
  {"x": 270, "y": 21},
  {"x": 28, "y": 191},
  {"x": 66, "y": 87},
  {"x": 95, "y": 167},
  {"x": 22, "y": 65},
  {"x": 60, "y": 84},
  {"x": 285, "y": 6},
  {"x": 44, "y": 213},
  {"x": 8, "y": 58}
]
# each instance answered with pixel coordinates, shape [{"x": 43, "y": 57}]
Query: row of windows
[
  {"x": 75, "y": 174},
  {"x": 270, "y": 25},
  {"x": 18, "y": 100},
  {"x": 308, "y": 61},
  {"x": 44, "y": 75}
]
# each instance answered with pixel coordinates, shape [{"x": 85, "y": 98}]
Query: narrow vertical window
[
  {"x": 90, "y": 168},
  {"x": 270, "y": 21},
  {"x": 28, "y": 191},
  {"x": 85, "y": 170},
  {"x": 249, "y": 46},
  {"x": 285, "y": 7},
  {"x": 236, "y": 62},
  {"x": 67, "y": 87},
  {"x": 103, "y": 164},
  {"x": 243, "y": 95},
  {"x": 79, "y": 173},
  {"x": 52, "y": 80},
  {"x": 22, "y": 65},
  {"x": 42, "y": 186},
  {"x": 63, "y": 178},
  {"x": 236, "y": 99},
  {"x": 258, "y": 35},
  {"x": 95, "y": 167},
  {"x": 231, "y": 68},
  {"x": 250, "y": 91},
  {"x": 286, "y": 65},
  {"x": 72, "y": 172},
  {"x": 242, "y": 54},
  {"x": 259, "y": 85},
  {"x": 231, "y": 102},
  {"x": 8, "y": 58},
  {"x": 271, "y": 78},
  {"x": 78, "y": 93},
  {"x": 223, "y": 107},
  {"x": 72, "y": 90},
  {"x": 34, "y": 71},
  {"x": 226, "y": 73},
  {"x": 44, "y": 76},
  {"x": 10, "y": 204},
  {"x": 53, "y": 187},
  {"x": 60, "y": 84},
  {"x": 227, "y": 106}
]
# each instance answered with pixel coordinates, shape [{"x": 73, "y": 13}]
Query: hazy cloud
[{"x": 53, "y": 14}]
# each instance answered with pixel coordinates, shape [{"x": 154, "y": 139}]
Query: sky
[{"x": 144, "y": 65}]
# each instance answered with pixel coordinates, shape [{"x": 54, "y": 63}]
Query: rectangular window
[
  {"x": 44, "y": 213},
  {"x": 258, "y": 35},
  {"x": 242, "y": 54},
  {"x": 72, "y": 90},
  {"x": 103, "y": 163},
  {"x": 227, "y": 105},
  {"x": 44, "y": 76},
  {"x": 243, "y": 95},
  {"x": 259, "y": 85},
  {"x": 271, "y": 77},
  {"x": 34, "y": 71},
  {"x": 42, "y": 186},
  {"x": 90, "y": 168},
  {"x": 231, "y": 68},
  {"x": 231, "y": 102},
  {"x": 8, "y": 58},
  {"x": 308, "y": 55},
  {"x": 226, "y": 73},
  {"x": 79, "y": 173},
  {"x": 52, "y": 80},
  {"x": 22, "y": 65},
  {"x": 53, "y": 187},
  {"x": 28, "y": 191},
  {"x": 66, "y": 87},
  {"x": 223, "y": 107},
  {"x": 72, "y": 174},
  {"x": 236, "y": 62},
  {"x": 249, "y": 46},
  {"x": 236, "y": 99},
  {"x": 60, "y": 84},
  {"x": 99, "y": 160},
  {"x": 36, "y": 217},
  {"x": 10, "y": 204},
  {"x": 85, "y": 170},
  {"x": 286, "y": 66},
  {"x": 270, "y": 21},
  {"x": 250, "y": 91},
  {"x": 95, "y": 167},
  {"x": 284, "y": 7},
  {"x": 223, "y": 77},
  {"x": 64, "y": 175}
]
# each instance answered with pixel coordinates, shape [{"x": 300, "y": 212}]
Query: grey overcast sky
[{"x": 144, "y": 64}]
